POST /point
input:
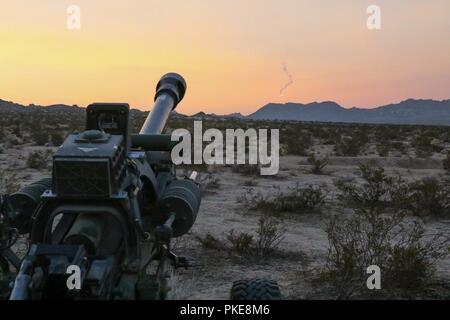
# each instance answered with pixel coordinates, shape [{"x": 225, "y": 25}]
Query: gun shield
[
  {"x": 25, "y": 202},
  {"x": 183, "y": 198}
]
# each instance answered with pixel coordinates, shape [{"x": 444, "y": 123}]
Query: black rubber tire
[{"x": 255, "y": 289}]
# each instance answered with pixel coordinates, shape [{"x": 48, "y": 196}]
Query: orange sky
[{"x": 231, "y": 52}]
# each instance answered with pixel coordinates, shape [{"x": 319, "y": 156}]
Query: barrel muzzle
[
  {"x": 173, "y": 84},
  {"x": 169, "y": 92}
]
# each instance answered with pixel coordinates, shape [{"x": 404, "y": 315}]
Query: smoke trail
[{"x": 290, "y": 81}]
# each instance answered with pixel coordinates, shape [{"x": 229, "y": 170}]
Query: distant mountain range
[
  {"x": 8, "y": 106},
  {"x": 410, "y": 111},
  {"x": 406, "y": 112}
]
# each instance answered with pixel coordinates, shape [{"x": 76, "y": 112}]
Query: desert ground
[
  {"x": 222, "y": 247},
  {"x": 303, "y": 251}
]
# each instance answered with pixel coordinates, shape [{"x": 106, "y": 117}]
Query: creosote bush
[
  {"x": 318, "y": 164},
  {"x": 40, "y": 137},
  {"x": 425, "y": 198},
  {"x": 240, "y": 242},
  {"x": 384, "y": 148},
  {"x": 429, "y": 197},
  {"x": 398, "y": 246},
  {"x": 39, "y": 159},
  {"x": 269, "y": 236},
  {"x": 208, "y": 241},
  {"x": 446, "y": 163},
  {"x": 209, "y": 181},
  {"x": 382, "y": 232},
  {"x": 424, "y": 146},
  {"x": 260, "y": 244},
  {"x": 349, "y": 146},
  {"x": 378, "y": 189},
  {"x": 296, "y": 200},
  {"x": 297, "y": 143}
]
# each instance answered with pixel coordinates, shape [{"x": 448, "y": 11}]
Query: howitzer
[{"x": 109, "y": 211}]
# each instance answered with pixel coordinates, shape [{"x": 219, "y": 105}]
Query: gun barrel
[{"x": 169, "y": 92}]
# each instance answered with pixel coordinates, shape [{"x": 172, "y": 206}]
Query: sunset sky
[{"x": 231, "y": 52}]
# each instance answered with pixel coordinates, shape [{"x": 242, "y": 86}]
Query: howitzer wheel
[{"x": 255, "y": 289}]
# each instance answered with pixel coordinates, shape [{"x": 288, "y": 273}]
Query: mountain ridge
[{"x": 409, "y": 111}]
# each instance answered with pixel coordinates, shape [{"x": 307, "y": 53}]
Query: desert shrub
[
  {"x": 209, "y": 182},
  {"x": 423, "y": 145},
  {"x": 319, "y": 132},
  {"x": 378, "y": 190},
  {"x": 383, "y": 149},
  {"x": 9, "y": 182},
  {"x": 208, "y": 241},
  {"x": 251, "y": 199},
  {"x": 410, "y": 266},
  {"x": 381, "y": 233},
  {"x": 399, "y": 146},
  {"x": 400, "y": 248},
  {"x": 40, "y": 137},
  {"x": 297, "y": 199},
  {"x": 240, "y": 242},
  {"x": 446, "y": 163},
  {"x": 318, "y": 164},
  {"x": 349, "y": 146},
  {"x": 304, "y": 199},
  {"x": 57, "y": 139},
  {"x": 445, "y": 136},
  {"x": 429, "y": 197},
  {"x": 386, "y": 133},
  {"x": 15, "y": 129},
  {"x": 263, "y": 242},
  {"x": 38, "y": 159},
  {"x": 269, "y": 236},
  {"x": 297, "y": 144}
]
